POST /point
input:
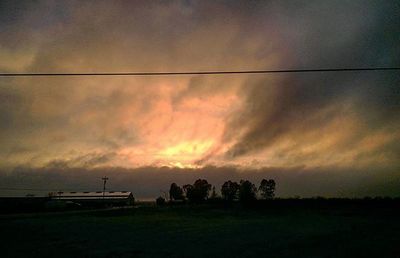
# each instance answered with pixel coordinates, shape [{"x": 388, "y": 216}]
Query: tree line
[{"x": 200, "y": 191}]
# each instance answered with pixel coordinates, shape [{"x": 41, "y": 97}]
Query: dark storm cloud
[
  {"x": 88, "y": 160},
  {"x": 328, "y": 34},
  {"x": 150, "y": 182}
]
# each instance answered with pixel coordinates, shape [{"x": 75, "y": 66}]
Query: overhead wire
[{"x": 211, "y": 72}]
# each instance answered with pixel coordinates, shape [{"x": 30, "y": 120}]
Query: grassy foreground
[{"x": 196, "y": 231}]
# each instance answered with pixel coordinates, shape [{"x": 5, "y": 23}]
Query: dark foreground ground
[{"x": 199, "y": 231}]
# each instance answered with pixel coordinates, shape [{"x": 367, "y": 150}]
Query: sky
[{"x": 331, "y": 134}]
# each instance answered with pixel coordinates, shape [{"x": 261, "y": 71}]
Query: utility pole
[{"x": 104, "y": 185}]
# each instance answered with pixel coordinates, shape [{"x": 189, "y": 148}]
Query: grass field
[{"x": 196, "y": 231}]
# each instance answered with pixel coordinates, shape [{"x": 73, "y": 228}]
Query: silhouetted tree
[
  {"x": 247, "y": 191},
  {"x": 175, "y": 192},
  {"x": 267, "y": 188},
  {"x": 229, "y": 190},
  {"x": 203, "y": 188},
  {"x": 197, "y": 192}
]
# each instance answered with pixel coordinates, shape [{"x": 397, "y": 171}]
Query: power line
[
  {"x": 199, "y": 72},
  {"x": 22, "y": 189}
]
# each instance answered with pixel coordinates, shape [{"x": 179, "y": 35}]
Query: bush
[{"x": 160, "y": 201}]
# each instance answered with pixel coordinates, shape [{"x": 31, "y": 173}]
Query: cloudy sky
[{"x": 335, "y": 134}]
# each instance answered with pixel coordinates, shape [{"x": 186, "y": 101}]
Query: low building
[{"x": 99, "y": 198}]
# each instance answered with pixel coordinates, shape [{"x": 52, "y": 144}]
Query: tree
[
  {"x": 202, "y": 188},
  {"x": 267, "y": 188},
  {"x": 247, "y": 191},
  {"x": 175, "y": 192},
  {"x": 197, "y": 192},
  {"x": 229, "y": 190}
]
